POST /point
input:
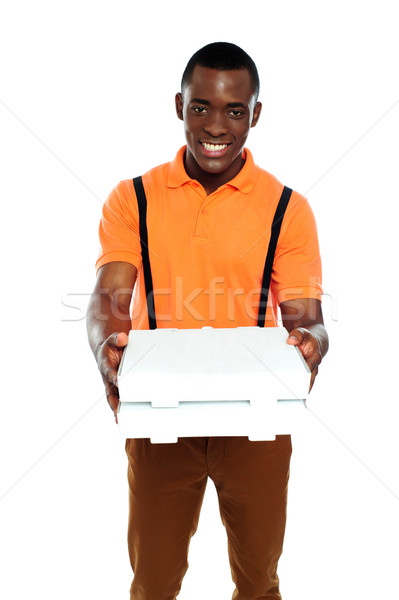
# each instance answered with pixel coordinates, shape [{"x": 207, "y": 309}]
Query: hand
[
  {"x": 309, "y": 347},
  {"x": 108, "y": 356}
]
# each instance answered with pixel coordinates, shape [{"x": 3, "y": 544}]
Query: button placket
[{"x": 201, "y": 228}]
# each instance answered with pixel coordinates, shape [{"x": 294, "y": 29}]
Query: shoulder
[
  {"x": 157, "y": 174},
  {"x": 268, "y": 188},
  {"x": 298, "y": 214},
  {"x": 270, "y": 185},
  {"x": 123, "y": 194},
  {"x": 268, "y": 180}
]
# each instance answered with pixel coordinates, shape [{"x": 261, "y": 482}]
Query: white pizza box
[{"x": 244, "y": 381}]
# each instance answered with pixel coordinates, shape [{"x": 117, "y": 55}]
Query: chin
[{"x": 213, "y": 165}]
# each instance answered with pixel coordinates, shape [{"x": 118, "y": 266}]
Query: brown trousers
[{"x": 167, "y": 484}]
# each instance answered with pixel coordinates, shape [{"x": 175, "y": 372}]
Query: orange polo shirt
[{"x": 207, "y": 253}]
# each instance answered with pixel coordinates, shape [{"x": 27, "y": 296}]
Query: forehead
[{"x": 212, "y": 84}]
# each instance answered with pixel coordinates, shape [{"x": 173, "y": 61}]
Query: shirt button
[{"x": 204, "y": 211}]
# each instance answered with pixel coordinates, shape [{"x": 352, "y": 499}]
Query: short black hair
[{"x": 222, "y": 56}]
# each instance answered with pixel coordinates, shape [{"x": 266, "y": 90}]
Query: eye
[
  {"x": 236, "y": 113},
  {"x": 199, "y": 109}
]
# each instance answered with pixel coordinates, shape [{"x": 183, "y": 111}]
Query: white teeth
[{"x": 214, "y": 147}]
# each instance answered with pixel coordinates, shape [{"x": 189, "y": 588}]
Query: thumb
[
  {"x": 296, "y": 337},
  {"x": 121, "y": 339}
]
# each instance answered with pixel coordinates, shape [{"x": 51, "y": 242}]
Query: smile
[
  {"x": 214, "y": 147},
  {"x": 214, "y": 150}
]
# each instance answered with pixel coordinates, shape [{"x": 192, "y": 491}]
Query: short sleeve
[
  {"x": 297, "y": 264},
  {"x": 119, "y": 231}
]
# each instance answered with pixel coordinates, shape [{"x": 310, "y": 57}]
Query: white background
[{"x": 87, "y": 99}]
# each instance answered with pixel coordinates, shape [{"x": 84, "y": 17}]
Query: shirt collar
[{"x": 243, "y": 181}]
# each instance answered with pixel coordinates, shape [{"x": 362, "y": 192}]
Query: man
[{"x": 209, "y": 218}]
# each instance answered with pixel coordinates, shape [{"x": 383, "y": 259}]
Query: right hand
[{"x": 108, "y": 356}]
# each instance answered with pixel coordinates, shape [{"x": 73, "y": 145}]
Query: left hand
[{"x": 309, "y": 347}]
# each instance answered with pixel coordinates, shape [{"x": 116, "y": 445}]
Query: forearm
[{"x": 104, "y": 317}]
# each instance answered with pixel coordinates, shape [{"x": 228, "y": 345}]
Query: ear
[
  {"x": 256, "y": 115},
  {"x": 179, "y": 106}
]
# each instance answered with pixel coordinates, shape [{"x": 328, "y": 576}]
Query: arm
[
  {"x": 109, "y": 322},
  {"x": 304, "y": 320}
]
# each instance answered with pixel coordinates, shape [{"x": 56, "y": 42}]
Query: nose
[{"x": 215, "y": 124}]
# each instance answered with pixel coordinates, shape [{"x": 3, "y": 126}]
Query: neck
[{"x": 211, "y": 181}]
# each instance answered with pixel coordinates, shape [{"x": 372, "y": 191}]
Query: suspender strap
[
  {"x": 267, "y": 273},
  {"x": 142, "y": 206}
]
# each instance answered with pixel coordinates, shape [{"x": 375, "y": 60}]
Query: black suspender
[
  {"x": 142, "y": 205},
  {"x": 267, "y": 273}
]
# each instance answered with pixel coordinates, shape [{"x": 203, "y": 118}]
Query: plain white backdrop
[{"x": 87, "y": 99}]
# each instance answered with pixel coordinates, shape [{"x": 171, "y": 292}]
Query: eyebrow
[
  {"x": 229, "y": 105},
  {"x": 200, "y": 101},
  {"x": 236, "y": 105}
]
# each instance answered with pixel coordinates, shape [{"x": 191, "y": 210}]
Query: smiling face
[{"x": 218, "y": 109}]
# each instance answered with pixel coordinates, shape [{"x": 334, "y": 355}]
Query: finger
[
  {"x": 311, "y": 353},
  {"x": 110, "y": 375},
  {"x": 313, "y": 377},
  {"x": 307, "y": 345},
  {"x": 112, "y": 396}
]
